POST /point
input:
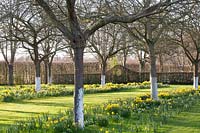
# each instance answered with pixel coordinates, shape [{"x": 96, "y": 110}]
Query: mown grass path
[{"x": 185, "y": 122}]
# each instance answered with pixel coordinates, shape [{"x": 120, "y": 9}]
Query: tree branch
[{"x": 66, "y": 32}]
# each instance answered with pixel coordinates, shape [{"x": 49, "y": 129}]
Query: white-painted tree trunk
[
  {"x": 103, "y": 80},
  {"x": 195, "y": 82},
  {"x": 49, "y": 80},
  {"x": 80, "y": 108},
  {"x": 154, "y": 88},
  {"x": 78, "y": 83},
  {"x": 37, "y": 84}
]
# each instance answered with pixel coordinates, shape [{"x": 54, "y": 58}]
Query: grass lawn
[
  {"x": 10, "y": 112},
  {"x": 185, "y": 122}
]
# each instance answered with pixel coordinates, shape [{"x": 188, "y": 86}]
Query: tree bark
[
  {"x": 124, "y": 58},
  {"x": 45, "y": 72},
  {"x": 103, "y": 73},
  {"x": 142, "y": 66},
  {"x": 10, "y": 74},
  {"x": 141, "y": 69},
  {"x": 78, "y": 81},
  {"x": 196, "y": 76},
  {"x": 153, "y": 76},
  {"x": 37, "y": 76},
  {"x": 49, "y": 74},
  {"x": 161, "y": 63},
  {"x": 124, "y": 65}
]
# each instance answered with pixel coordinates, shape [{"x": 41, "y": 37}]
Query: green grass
[
  {"x": 10, "y": 112},
  {"x": 185, "y": 122}
]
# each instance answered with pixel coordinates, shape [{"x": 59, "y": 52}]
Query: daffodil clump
[
  {"x": 110, "y": 87},
  {"x": 112, "y": 108},
  {"x": 28, "y": 92}
]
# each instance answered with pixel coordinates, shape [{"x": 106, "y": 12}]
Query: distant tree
[
  {"x": 106, "y": 43},
  {"x": 30, "y": 29},
  {"x": 186, "y": 33},
  {"x": 187, "y": 36},
  {"x": 50, "y": 47},
  {"x": 8, "y": 45},
  {"x": 149, "y": 31},
  {"x": 142, "y": 57},
  {"x": 127, "y": 47}
]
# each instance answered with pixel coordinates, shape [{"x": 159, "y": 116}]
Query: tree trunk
[
  {"x": 103, "y": 73},
  {"x": 37, "y": 77},
  {"x": 153, "y": 76},
  {"x": 45, "y": 72},
  {"x": 141, "y": 69},
  {"x": 78, "y": 81},
  {"x": 124, "y": 65},
  {"x": 142, "y": 66},
  {"x": 10, "y": 74},
  {"x": 49, "y": 74},
  {"x": 161, "y": 63},
  {"x": 196, "y": 76},
  {"x": 124, "y": 58}
]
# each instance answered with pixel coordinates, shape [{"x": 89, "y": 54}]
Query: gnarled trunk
[
  {"x": 37, "y": 77},
  {"x": 10, "y": 74},
  {"x": 196, "y": 76},
  {"x": 153, "y": 76},
  {"x": 79, "y": 91}
]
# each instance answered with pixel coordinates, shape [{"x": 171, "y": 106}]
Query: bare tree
[
  {"x": 186, "y": 33},
  {"x": 140, "y": 48},
  {"x": 8, "y": 46},
  {"x": 106, "y": 42},
  {"x": 50, "y": 47},
  {"x": 149, "y": 30},
  {"x": 152, "y": 30},
  {"x": 31, "y": 31},
  {"x": 127, "y": 47},
  {"x": 83, "y": 19},
  {"x": 188, "y": 38}
]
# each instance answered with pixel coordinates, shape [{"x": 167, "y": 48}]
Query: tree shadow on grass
[
  {"x": 181, "y": 122},
  {"x": 8, "y": 121},
  {"x": 46, "y": 104},
  {"x": 4, "y": 126},
  {"x": 18, "y": 111},
  {"x": 187, "y": 121}
]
